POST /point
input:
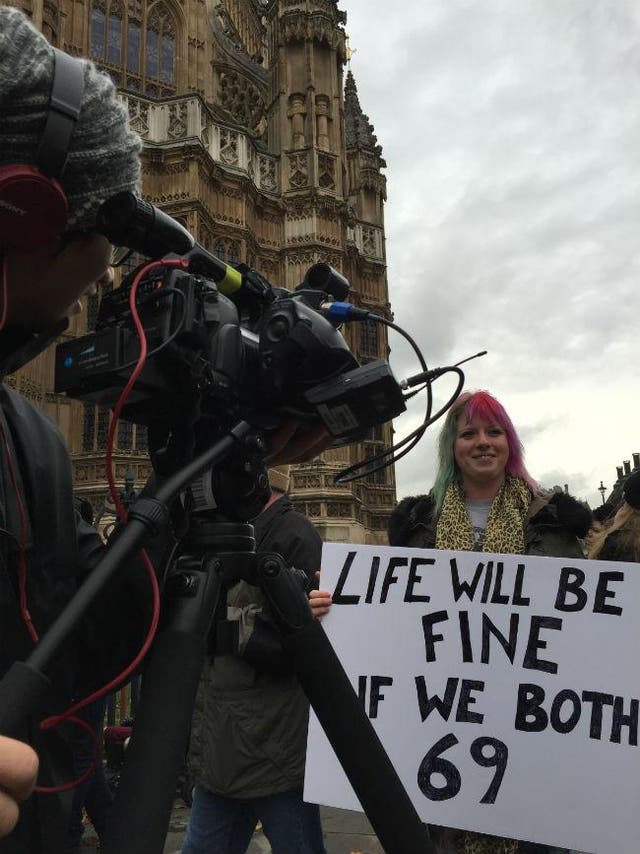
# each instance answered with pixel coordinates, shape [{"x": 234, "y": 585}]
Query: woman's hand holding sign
[{"x": 320, "y": 601}]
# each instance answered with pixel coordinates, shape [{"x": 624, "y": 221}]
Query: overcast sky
[{"x": 511, "y": 130}]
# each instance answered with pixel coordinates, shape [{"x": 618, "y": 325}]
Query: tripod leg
[
  {"x": 352, "y": 736},
  {"x": 142, "y": 809}
]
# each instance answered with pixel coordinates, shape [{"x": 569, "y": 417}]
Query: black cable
[
  {"x": 347, "y": 475},
  {"x": 378, "y": 319},
  {"x": 356, "y": 467}
]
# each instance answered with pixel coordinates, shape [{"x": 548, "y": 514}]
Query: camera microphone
[
  {"x": 323, "y": 277},
  {"x": 129, "y": 221},
  {"x": 126, "y": 220}
]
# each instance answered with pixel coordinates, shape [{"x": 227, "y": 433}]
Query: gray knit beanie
[{"x": 103, "y": 152}]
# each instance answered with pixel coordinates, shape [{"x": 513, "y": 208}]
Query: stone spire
[{"x": 358, "y": 128}]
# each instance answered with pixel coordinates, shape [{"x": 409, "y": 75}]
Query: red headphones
[{"x": 33, "y": 206}]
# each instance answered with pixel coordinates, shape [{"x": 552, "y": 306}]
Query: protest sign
[{"x": 503, "y": 687}]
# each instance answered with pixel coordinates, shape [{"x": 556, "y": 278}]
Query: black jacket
[
  {"x": 282, "y": 529},
  {"x": 61, "y": 550},
  {"x": 554, "y": 525},
  {"x": 249, "y": 731}
]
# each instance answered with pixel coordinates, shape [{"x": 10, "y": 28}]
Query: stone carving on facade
[
  {"x": 314, "y": 509},
  {"x": 302, "y": 258},
  {"x": 268, "y": 179},
  {"x": 307, "y": 481},
  {"x": 177, "y": 121},
  {"x": 241, "y": 99},
  {"x": 229, "y": 147},
  {"x": 339, "y": 509},
  {"x": 251, "y": 164},
  {"x": 298, "y": 25},
  {"x": 326, "y": 171},
  {"x": 369, "y": 241},
  {"x": 298, "y": 171},
  {"x": 334, "y": 207}
]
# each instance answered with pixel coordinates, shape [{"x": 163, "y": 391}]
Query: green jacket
[{"x": 249, "y": 726}]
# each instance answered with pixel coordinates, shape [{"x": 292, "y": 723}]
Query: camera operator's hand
[
  {"x": 297, "y": 442},
  {"x": 18, "y": 771}
]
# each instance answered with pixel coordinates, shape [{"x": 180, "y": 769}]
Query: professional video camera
[
  {"x": 215, "y": 357},
  {"x": 222, "y": 342}
]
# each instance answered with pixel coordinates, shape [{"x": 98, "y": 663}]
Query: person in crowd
[
  {"x": 600, "y": 517},
  {"x": 93, "y": 794},
  {"x": 620, "y": 538},
  {"x": 483, "y": 499},
  {"x": 18, "y": 771},
  {"x": 248, "y": 740}
]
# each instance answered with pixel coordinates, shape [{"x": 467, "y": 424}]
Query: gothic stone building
[{"x": 258, "y": 144}]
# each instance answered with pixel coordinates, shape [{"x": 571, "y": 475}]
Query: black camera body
[{"x": 281, "y": 358}]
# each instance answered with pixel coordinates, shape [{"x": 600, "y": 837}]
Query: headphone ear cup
[{"x": 33, "y": 208}]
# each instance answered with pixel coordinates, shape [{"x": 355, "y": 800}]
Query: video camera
[{"x": 222, "y": 342}]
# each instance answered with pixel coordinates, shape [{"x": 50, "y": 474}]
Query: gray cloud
[{"x": 511, "y": 131}]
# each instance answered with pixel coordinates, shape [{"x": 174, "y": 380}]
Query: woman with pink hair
[{"x": 483, "y": 499}]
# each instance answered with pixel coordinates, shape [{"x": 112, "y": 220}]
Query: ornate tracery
[{"x": 136, "y": 44}]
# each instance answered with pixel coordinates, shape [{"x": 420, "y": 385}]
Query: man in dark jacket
[
  {"x": 64, "y": 149},
  {"x": 248, "y": 740}
]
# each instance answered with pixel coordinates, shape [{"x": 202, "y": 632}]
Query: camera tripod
[{"x": 213, "y": 556}]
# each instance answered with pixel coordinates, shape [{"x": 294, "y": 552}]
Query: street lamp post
[{"x": 602, "y": 489}]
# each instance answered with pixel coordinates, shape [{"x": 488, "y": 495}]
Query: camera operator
[
  {"x": 50, "y": 255},
  {"x": 46, "y": 549}
]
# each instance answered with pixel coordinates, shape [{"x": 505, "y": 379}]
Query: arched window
[
  {"x": 97, "y": 32},
  {"x": 106, "y": 31},
  {"x": 88, "y": 427},
  {"x": 369, "y": 344},
  {"x": 233, "y": 256},
  {"x": 114, "y": 34},
  {"x": 125, "y": 435},
  {"x": 104, "y": 417},
  {"x": 133, "y": 47},
  {"x": 227, "y": 250},
  {"x": 142, "y": 438},
  {"x": 138, "y": 41},
  {"x": 160, "y": 59}
]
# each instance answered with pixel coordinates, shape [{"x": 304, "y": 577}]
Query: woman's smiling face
[{"x": 481, "y": 450}]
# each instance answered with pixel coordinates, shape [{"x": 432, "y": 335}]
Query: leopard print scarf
[
  {"x": 504, "y": 533},
  {"x": 481, "y": 843}
]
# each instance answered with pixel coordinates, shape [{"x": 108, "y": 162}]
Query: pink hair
[{"x": 472, "y": 405}]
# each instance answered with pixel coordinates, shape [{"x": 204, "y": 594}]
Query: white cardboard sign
[{"x": 503, "y": 687}]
